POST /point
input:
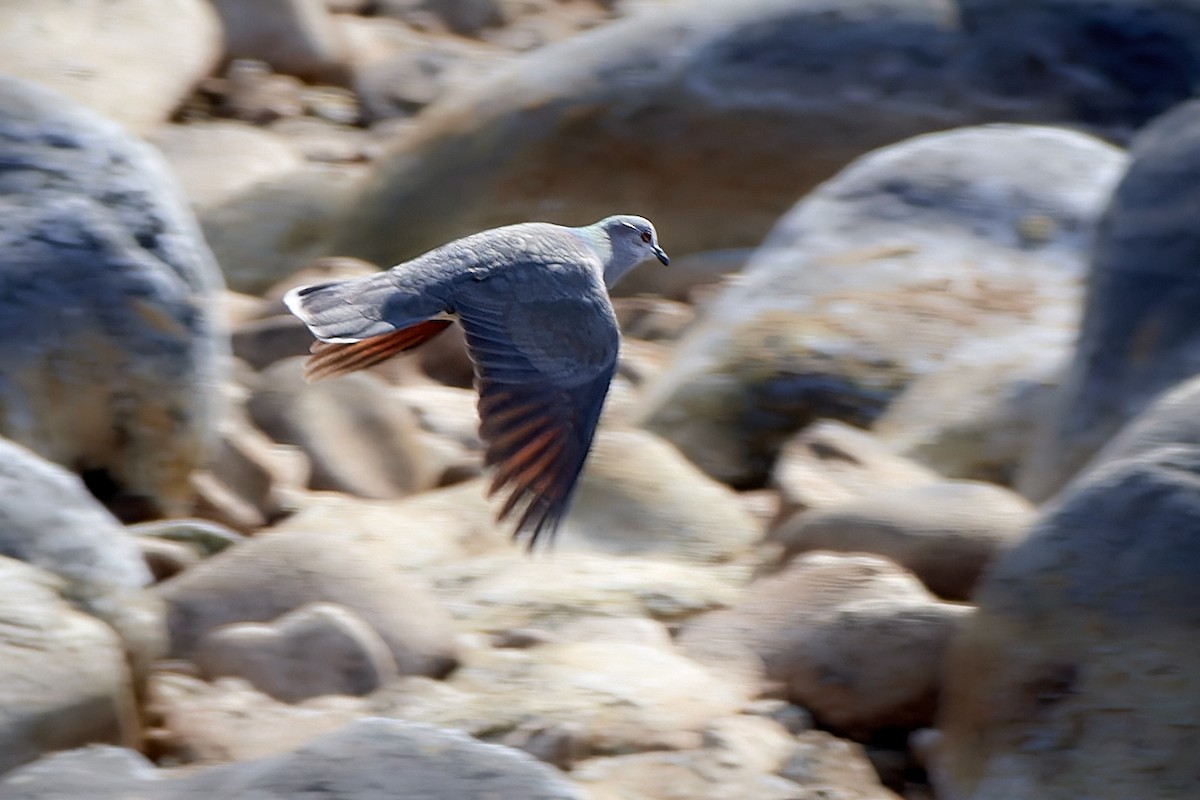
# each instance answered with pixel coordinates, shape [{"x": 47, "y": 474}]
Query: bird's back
[{"x": 528, "y": 246}]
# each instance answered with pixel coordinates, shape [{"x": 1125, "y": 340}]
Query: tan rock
[
  {"x": 64, "y": 678},
  {"x": 278, "y": 657},
  {"x": 110, "y": 56},
  {"x": 612, "y": 696},
  {"x": 741, "y": 758},
  {"x": 862, "y": 288},
  {"x": 250, "y": 480},
  {"x": 358, "y": 439},
  {"x": 946, "y": 532},
  {"x": 228, "y": 720},
  {"x": 514, "y": 590},
  {"x": 976, "y": 416},
  {"x": 443, "y": 526},
  {"x": 276, "y": 573},
  {"x": 217, "y": 161},
  {"x": 638, "y": 495},
  {"x": 830, "y": 463},
  {"x": 855, "y": 639},
  {"x": 298, "y": 37}
]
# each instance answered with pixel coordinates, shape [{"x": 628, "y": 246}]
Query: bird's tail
[
  {"x": 344, "y": 311},
  {"x": 348, "y": 319}
]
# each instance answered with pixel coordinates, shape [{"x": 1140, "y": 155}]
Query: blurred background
[{"x": 897, "y": 489}]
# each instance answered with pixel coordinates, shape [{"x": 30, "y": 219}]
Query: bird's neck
[{"x": 616, "y": 263}]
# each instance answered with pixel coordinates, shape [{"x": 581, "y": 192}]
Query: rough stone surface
[
  {"x": 869, "y": 281},
  {"x": 250, "y": 481},
  {"x": 64, "y": 679},
  {"x": 367, "y": 760},
  {"x": 198, "y": 721},
  {"x": 603, "y": 697},
  {"x": 1141, "y": 330},
  {"x": 132, "y": 60},
  {"x": 512, "y": 590},
  {"x": 742, "y": 757},
  {"x": 1078, "y": 675},
  {"x": 946, "y": 533},
  {"x": 48, "y": 519},
  {"x": 853, "y": 638},
  {"x": 107, "y": 295}
]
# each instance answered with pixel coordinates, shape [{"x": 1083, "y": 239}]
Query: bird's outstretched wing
[{"x": 543, "y": 369}]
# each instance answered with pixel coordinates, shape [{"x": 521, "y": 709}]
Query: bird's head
[{"x": 633, "y": 240}]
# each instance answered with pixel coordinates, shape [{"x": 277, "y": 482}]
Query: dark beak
[{"x": 661, "y": 256}]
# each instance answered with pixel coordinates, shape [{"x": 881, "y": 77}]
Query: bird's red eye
[{"x": 646, "y": 237}]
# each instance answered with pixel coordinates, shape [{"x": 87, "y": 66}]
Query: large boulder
[
  {"x": 1141, "y": 326},
  {"x": 712, "y": 117},
  {"x": 870, "y": 282},
  {"x": 106, "y": 291},
  {"x": 132, "y": 60},
  {"x": 1080, "y": 674}
]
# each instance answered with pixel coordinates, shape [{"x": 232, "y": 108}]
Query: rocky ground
[{"x": 895, "y": 494}]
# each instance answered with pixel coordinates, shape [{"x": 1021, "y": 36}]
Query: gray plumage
[{"x": 533, "y": 302}]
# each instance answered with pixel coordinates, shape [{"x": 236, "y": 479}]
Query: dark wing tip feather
[{"x": 538, "y": 436}]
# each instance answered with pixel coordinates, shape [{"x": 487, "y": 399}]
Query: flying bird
[{"x": 540, "y": 329}]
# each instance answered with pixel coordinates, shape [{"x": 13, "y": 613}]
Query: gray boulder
[
  {"x": 712, "y": 117},
  {"x": 48, "y": 520},
  {"x": 106, "y": 288},
  {"x": 868, "y": 283},
  {"x": 1172, "y": 419},
  {"x": 1141, "y": 325},
  {"x": 1080, "y": 674}
]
